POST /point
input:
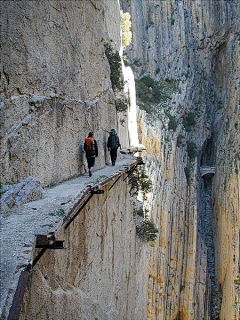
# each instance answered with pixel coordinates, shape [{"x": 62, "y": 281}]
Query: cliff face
[
  {"x": 55, "y": 86},
  {"x": 195, "y": 268},
  {"x": 101, "y": 274},
  {"x": 226, "y": 186}
]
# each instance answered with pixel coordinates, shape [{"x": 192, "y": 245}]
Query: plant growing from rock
[
  {"x": 115, "y": 67},
  {"x": 149, "y": 90},
  {"x": 140, "y": 182},
  {"x": 59, "y": 212},
  {"x": 121, "y": 105},
  {"x": 191, "y": 150},
  {"x": 172, "y": 124},
  {"x": 142, "y": 212},
  {"x": 147, "y": 230},
  {"x": 189, "y": 121}
]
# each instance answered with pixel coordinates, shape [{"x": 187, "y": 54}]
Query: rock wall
[
  {"x": 102, "y": 274},
  {"x": 196, "y": 43},
  {"x": 55, "y": 86},
  {"x": 226, "y": 186},
  {"x": 178, "y": 276}
]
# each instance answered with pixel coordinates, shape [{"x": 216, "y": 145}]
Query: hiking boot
[
  {"x": 113, "y": 163},
  {"x": 90, "y": 173}
]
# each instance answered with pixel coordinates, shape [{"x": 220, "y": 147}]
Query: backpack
[
  {"x": 114, "y": 141},
  {"x": 90, "y": 145}
]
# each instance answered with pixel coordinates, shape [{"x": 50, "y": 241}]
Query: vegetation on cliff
[
  {"x": 126, "y": 28},
  {"x": 115, "y": 67}
]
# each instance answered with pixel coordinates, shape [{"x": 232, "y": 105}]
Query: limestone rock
[{"x": 26, "y": 191}]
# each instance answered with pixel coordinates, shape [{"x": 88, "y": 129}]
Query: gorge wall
[
  {"x": 56, "y": 87},
  {"x": 102, "y": 274},
  {"x": 195, "y": 268}
]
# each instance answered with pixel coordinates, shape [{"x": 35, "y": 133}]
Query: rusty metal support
[
  {"x": 130, "y": 172},
  {"x": 48, "y": 242},
  {"x": 114, "y": 183},
  {"x": 38, "y": 256},
  {"x": 15, "y": 309},
  {"x": 139, "y": 163},
  {"x": 83, "y": 206}
]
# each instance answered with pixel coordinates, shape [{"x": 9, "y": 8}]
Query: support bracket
[
  {"x": 48, "y": 242},
  {"x": 92, "y": 192},
  {"x": 114, "y": 183},
  {"x": 97, "y": 191}
]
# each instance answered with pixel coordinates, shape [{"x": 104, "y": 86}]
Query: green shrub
[
  {"x": 191, "y": 150},
  {"x": 146, "y": 107},
  {"x": 142, "y": 91},
  {"x": 121, "y": 105},
  {"x": 189, "y": 121},
  {"x": 148, "y": 81},
  {"x": 172, "y": 125},
  {"x": 115, "y": 67},
  {"x": 139, "y": 181},
  {"x": 59, "y": 212},
  {"x": 140, "y": 212},
  {"x": 147, "y": 230},
  {"x": 149, "y": 90},
  {"x": 182, "y": 287}
]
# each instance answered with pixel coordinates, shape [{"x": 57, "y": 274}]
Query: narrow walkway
[
  {"x": 17, "y": 231},
  {"x": 207, "y": 169}
]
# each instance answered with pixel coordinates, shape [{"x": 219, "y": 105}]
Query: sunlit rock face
[
  {"x": 55, "y": 86},
  {"x": 132, "y": 111},
  {"x": 101, "y": 274},
  {"x": 197, "y": 44}
]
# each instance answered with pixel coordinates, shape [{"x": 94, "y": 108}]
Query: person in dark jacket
[
  {"x": 113, "y": 144},
  {"x": 91, "y": 148}
]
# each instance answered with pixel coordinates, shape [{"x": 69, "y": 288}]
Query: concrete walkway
[{"x": 18, "y": 230}]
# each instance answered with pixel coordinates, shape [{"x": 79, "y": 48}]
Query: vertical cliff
[
  {"x": 55, "y": 86},
  {"x": 102, "y": 272},
  {"x": 190, "y": 49}
]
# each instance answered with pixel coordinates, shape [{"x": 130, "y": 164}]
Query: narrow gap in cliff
[{"x": 208, "y": 230}]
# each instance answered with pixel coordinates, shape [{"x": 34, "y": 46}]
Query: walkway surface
[
  {"x": 207, "y": 169},
  {"x": 18, "y": 230}
]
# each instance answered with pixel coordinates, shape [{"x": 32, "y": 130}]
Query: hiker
[
  {"x": 113, "y": 144},
  {"x": 91, "y": 148}
]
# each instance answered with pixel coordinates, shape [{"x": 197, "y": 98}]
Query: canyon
[{"x": 178, "y": 104}]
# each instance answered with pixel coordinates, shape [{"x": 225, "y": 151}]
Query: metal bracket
[
  {"x": 45, "y": 242},
  {"x": 140, "y": 161},
  {"x": 130, "y": 172},
  {"x": 114, "y": 183},
  {"x": 48, "y": 242},
  {"x": 97, "y": 191},
  {"x": 92, "y": 192},
  {"x": 15, "y": 309}
]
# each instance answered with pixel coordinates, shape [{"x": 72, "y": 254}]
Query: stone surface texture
[
  {"x": 55, "y": 86},
  {"x": 14, "y": 195},
  {"x": 100, "y": 274},
  {"x": 18, "y": 229},
  {"x": 194, "y": 272}
]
